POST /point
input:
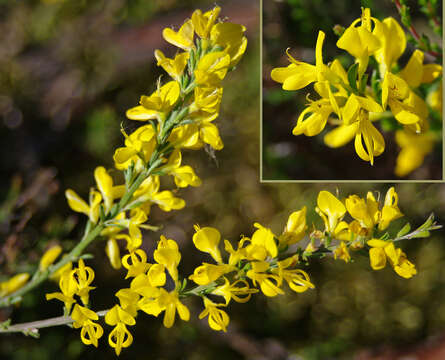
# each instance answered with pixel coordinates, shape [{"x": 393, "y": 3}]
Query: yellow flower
[
  {"x": 360, "y": 41},
  {"x": 206, "y": 99},
  {"x": 381, "y": 250},
  {"x": 390, "y": 210},
  {"x": 83, "y": 276},
  {"x": 365, "y": 212},
  {"x": 231, "y": 37},
  {"x": 49, "y": 257},
  {"x": 138, "y": 148},
  {"x": 218, "y": 319},
  {"x": 91, "y": 331},
  {"x": 157, "y": 105},
  {"x": 212, "y": 68},
  {"x": 414, "y": 149},
  {"x": 168, "y": 255},
  {"x": 148, "y": 193},
  {"x": 128, "y": 300},
  {"x": 269, "y": 283},
  {"x": 236, "y": 255},
  {"x": 13, "y": 284},
  {"x": 234, "y": 291},
  {"x": 264, "y": 237},
  {"x": 120, "y": 337},
  {"x": 203, "y": 23},
  {"x": 207, "y": 273},
  {"x": 295, "y": 228},
  {"x": 169, "y": 301},
  {"x": 183, "y": 38},
  {"x": 368, "y": 142},
  {"x": 68, "y": 286},
  {"x": 342, "y": 252},
  {"x": 299, "y": 74},
  {"x": 330, "y": 209},
  {"x": 79, "y": 205},
  {"x": 138, "y": 263},
  {"x": 298, "y": 280},
  {"x": 174, "y": 67},
  {"x": 319, "y": 112},
  {"x": 207, "y": 240},
  {"x": 105, "y": 185},
  {"x": 113, "y": 253},
  {"x": 393, "y": 40},
  {"x": 183, "y": 175}
]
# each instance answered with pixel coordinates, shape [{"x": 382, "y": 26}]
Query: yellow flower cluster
[
  {"x": 358, "y": 99},
  {"x": 263, "y": 262},
  {"x": 76, "y": 282},
  {"x": 178, "y": 115}
]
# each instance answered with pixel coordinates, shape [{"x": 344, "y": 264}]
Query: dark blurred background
[
  {"x": 295, "y": 24},
  {"x": 69, "y": 71}
]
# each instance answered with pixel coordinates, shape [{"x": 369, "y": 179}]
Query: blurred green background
[
  {"x": 69, "y": 71},
  {"x": 295, "y": 24}
]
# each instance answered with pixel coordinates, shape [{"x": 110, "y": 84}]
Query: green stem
[{"x": 31, "y": 327}]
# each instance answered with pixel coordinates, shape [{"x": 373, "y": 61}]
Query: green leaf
[
  {"x": 363, "y": 83},
  {"x": 422, "y": 234},
  {"x": 405, "y": 230},
  {"x": 352, "y": 76},
  {"x": 385, "y": 236}
]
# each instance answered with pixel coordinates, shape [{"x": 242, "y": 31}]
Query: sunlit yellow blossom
[
  {"x": 390, "y": 210},
  {"x": 207, "y": 240},
  {"x": 79, "y": 205},
  {"x": 265, "y": 238},
  {"x": 68, "y": 286},
  {"x": 366, "y": 212},
  {"x": 148, "y": 193},
  {"x": 105, "y": 185},
  {"x": 174, "y": 67},
  {"x": 128, "y": 300},
  {"x": 298, "y": 280},
  {"x": 206, "y": 273},
  {"x": 138, "y": 264},
  {"x": 50, "y": 256},
  {"x": 169, "y": 301},
  {"x": 238, "y": 291},
  {"x": 206, "y": 99},
  {"x": 212, "y": 68},
  {"x": 318, "y": 113},
  {"x": 183, "y": 38},
  {"x": 183, "y": 175},
  {"x": 231, "y": 38},
  {"x": 360, "y": 41},
  {"x": 203, "y": 23},
  {"x": 218, "y": 319},
  {"x": 382, "y": 250},
  {"x": 393, "y": 41},
  {"x": 295, "y": 228},
  {"x": 139, "y": 147},
  {"x": 414, "y": 149},
  {"x": 330, "y": 209},
  {"x": 299, "y": 74},
  {"x": 269, "y": 283},
  {"x": 239, "y": 254},
  {"x": 83, "y": 317},
  {"x": 113, "y": 253},
  {"x": 158, "y": 104},
  {"x": 168, "y": 255},
  {"x": 119, "y": 337},
  {"x": 83, "y": 276}
]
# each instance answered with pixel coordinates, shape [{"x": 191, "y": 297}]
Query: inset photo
[{"x": 352, "y": 91}]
